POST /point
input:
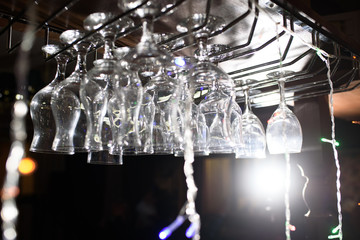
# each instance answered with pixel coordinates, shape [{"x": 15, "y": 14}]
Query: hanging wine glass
[
  {"x": 96, "y": 89},
  {"x": 253, "y": 133},
  {"x": 40, "y": 106},
  {"x": 283, "y": 133},
  {"x": 204, "y": 72},
  {"x": 131, "y": 136},
  {"x": 145, "y": 59},
  {"x": 116, "y": 108},
  {"x": 67, "y": 109},
  {"x": 161, "y": 89},
  {"x": 236, "y": 127},
  {"x": 217, "y": 104},
  {"x": 127, "y": 102}
]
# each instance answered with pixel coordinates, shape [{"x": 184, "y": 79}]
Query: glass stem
[
  {"x": 147, "y": 30},
  {"x": 215, "y": 85},
  {"x": 81, "y": 62},
  {"x": 247, "y": 101},
  {"x": 203, "y": 54},
  {"x": 281, "y": 84},
  {"x": 60, "y": 71},
  {"x": 108, "y": 47}
]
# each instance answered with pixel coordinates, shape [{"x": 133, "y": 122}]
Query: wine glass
[
  {"x": 66, "y": 106},
  {"x": 161, "y": 89},
  {"x": 217, "y": 104},
  {"x": 283, "y": 132},
  {"x": 236, "y": 127},
  {"x": 97, "y": 89},
  {"x": 253, "y": 133},
  {"x": 178, "y": 109},
  {"x": 125, "y": 107},
  {"x": 40, "y": 106},
  {"x": 145, "y": 60}
]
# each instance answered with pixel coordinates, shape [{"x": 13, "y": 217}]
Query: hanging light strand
[
  {"x": 10, "y": 189},
  {"x": 338, "y": 233},
  {"x": 193, "y": 216},
  {"x": 287, "y": 197}
]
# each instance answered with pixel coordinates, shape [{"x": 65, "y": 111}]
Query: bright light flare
[
  {"x": 27, "y": 166},
  {"x": 268, "y": 179}
]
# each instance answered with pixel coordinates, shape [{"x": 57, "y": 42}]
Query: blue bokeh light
[
  {"x": 165, "y": 233},
  {"x": 180, "y": 62}
]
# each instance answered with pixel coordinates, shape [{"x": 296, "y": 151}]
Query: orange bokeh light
[{"x": 27, "y": 166}]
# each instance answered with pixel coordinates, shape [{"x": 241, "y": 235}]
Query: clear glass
[
  {"x": 146, "y": 60},
  {"x": 217, "y": 105},
  {"x": 161, "y": 89},
  {"x": 40, "y": 106},
  {"x": 283, "y": 132},
  {"x": 104, "y": 158},
  {"x": 96, "y": 89},
  {"x": 66, "y": 106},
  {"x": 236, "y": 127},
  {"x": 116, "y": 106},
  {"x": 178, "y": 109},
  {"x": 217, "y": 108},
  {"x": 146, "y": 125},
  {"x": 128, "y": 93},
  {"x": 253, "y": 133}
]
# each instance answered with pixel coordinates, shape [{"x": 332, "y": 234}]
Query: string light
[
  {"x": 287, "y": 198},
  {"x": 330, "y": 141},
  {"x": 188, "y": 211},
  {"x": 339, "y": 235},
  {"x": 10, "y": 189}
]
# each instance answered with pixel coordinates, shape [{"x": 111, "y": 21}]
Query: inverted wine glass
[
  {"x": 179, "y": 108},
  {"x": 67, "y": 109},
  {"x": 161, "y": 89},
  {"x": 253, "y": 133},
  {"x": 204, "y": 72},
  {"x": 216, "y": 106},
  {"x": 283, "y": 132},
  {"x": 96, "y": 89},
  {"x": 127, "y": 102},
  {"x": 40, "y": 106}
]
